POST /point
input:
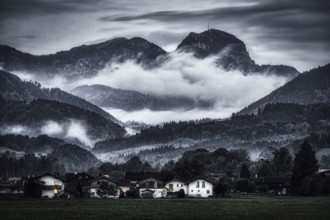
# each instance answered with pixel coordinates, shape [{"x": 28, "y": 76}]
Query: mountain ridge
[
  {"x": 13, "y": 88},
  {"x": 310, "y": 87},
  {"x": 231, "y": 52},
  {"x": 87, "y": 60}
]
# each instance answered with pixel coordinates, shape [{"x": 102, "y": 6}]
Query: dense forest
[
  {"x": 271, "y": 121},
  {"x": 85, "y": 60},
  {"x": 13, "y": 88},
  {"x": 37, "y": 112},
  {"x": 132, "y": 100},
  {"x": 58, "y": 155},
  {"x": 310, "y": 87}
]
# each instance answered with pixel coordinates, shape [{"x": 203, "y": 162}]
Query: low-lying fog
[
  {"x": 182, "y": 75},
  {"x": 73, "y": 131},
  {"x": 157, "y": 117}
]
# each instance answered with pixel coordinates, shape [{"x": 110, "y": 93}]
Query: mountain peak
[
  {"x": 211, "y": 41},
  {"x": 231, "y": 52}
]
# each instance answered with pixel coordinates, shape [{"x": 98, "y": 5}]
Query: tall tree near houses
[
  {"x": 245, "y": 172},
  {"x": 265, "y": 170},
  {"x": 282, "y": 161},
  {"x": 305, "y": 165}
]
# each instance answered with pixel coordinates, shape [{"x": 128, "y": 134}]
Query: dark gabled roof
[
  {"x": 103, "y": 178},
  {"x": 153, "y": 178},
  {"x": 324, "y": 171},
  {"x": 201, "y": 178},
  {"x": 138, "y": 176},
  {"x": 124, "y": 183},
  {"x": 71, "y": 176}
]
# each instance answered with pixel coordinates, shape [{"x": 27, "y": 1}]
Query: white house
[
  {"x": 152, "y": 187},
  {"x": 200, "y": 188},
  {"x": 176, "y": 185},
  {"x": 52, "y": 186}
]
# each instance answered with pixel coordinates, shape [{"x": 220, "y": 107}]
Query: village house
[
  {"x": 12, "y": 188},
  {"x": 273, "y": 185},
  {"x": 52, "y": 186},
  {"x": 135, "y": 177},
  {"x": 200, "y": 188},
  {"x": 103, "y": 187},
  {"x": 324, "y": 172},
  {"x": 152, "y": 188},
  {"x": 77, "y": 184},
  {"x": 176, "y": 185}
]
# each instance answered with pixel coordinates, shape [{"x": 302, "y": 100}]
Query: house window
[
  {"x": 203, "y": 184},
  {"x": 171, "y": 186},
  {"x": 208, "y": 191},
  {"x": 192, "y": 190},
  {"x": 177, "y": 185},
  {"x": 198, "y": 190},
  {"x": 197, "y": 184}
]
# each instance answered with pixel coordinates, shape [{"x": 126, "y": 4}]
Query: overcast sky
[{"x": 292, "y": 32}]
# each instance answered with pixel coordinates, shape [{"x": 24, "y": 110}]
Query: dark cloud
[
  {"x": 23, "y": 7},
  {"x": 26, "y": 37},
  {"x": 291, "y": 24},
  {"x": 20, "y": 8},
  {"x": 300, "y": 26}
]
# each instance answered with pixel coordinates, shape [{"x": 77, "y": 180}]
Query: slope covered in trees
[
  {"x": 129, "y": 100},
  {"x": 274, "y": 123},
  {"x": 13, "y": 88},
  {"x": 310, "y": 87},
  {"x": 42, "y": 154},
  {"x": 231, "y": 51},
  {"x": 38, "y": 112},
  {"x": 82, "y": 61}
]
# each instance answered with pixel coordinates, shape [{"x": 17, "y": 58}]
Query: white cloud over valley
[{"x": 182, "y": 75}]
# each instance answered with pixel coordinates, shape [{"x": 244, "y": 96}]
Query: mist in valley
[
  {"x": 72, "y": 131},
  {"x": 181, "y": 75}
]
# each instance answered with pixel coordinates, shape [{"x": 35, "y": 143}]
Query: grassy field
[{"x": 248, "y": 208}]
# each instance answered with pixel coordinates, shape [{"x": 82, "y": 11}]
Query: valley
[{"x": 128, "y": 97}]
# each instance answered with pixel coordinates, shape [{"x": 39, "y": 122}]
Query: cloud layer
[
  {"x": 182, "y": 75},
  {"x": 185, "y": 75}
]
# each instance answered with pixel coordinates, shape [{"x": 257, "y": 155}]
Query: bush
[
  {"x": 245, "y": 185},
  {"x": 312, "y": 185},
  {"x": 132, "y": 193},
  {"x": 181, "y": 194},
  {"x": 32, "y": 189}
]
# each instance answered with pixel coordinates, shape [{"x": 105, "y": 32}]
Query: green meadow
[{"x": 217, "y": 208}]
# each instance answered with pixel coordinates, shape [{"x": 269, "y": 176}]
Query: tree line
[{"x": 237, "y": 172}]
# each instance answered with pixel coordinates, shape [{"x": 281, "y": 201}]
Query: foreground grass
[{"x": 249, "y": 208}]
